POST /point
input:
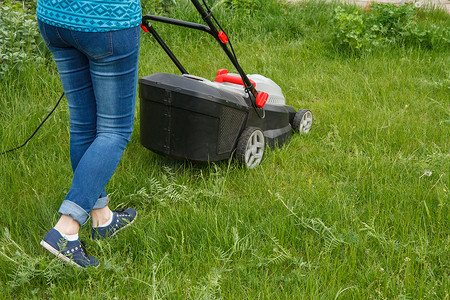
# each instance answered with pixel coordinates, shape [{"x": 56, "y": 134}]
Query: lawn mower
[{"x": 192, "y": 118}]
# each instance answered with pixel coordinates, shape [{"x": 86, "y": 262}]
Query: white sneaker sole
[{"x": 59, "y": 255}]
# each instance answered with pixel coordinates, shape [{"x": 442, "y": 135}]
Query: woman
[{"x": 95, "y": 45}]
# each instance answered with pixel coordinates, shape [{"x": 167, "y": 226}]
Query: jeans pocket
[
  {"x": 94, "y": 44},
  {"x": 125, "y": 41}
]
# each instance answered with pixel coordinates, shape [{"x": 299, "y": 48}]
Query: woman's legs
[
  {"x": 67, "y": 225},
  {"x": 114, "y": 80},
  {"x": 99, "y": 73},
  {"x": 100, "y": 216}
]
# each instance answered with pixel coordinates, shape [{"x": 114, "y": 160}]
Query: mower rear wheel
[
  {"x": 250, "y": 147},
  {"x": 302, "y": 121}
]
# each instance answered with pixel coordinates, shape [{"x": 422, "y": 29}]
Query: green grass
[{"x": 346, "y": 212}]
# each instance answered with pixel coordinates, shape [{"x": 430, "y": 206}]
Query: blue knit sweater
[{"x": 90, "y": 15}]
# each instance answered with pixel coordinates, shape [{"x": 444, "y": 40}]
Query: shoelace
[
  {"x": 83, "y": 248},
  {"x": 120, "y": 212}
]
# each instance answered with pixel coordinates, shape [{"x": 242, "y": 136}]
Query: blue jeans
[{"x": 98, "y": 72}]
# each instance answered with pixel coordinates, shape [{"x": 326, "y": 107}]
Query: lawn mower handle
[{"x": 220, "y": 37}]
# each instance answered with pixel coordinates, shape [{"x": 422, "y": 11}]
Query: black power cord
[
  {"x": 220, "y": 27},
  {"x": 40, "y": 125}
]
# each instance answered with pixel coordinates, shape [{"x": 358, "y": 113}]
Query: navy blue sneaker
[
  {"x": 72, "y": 252},
  {"x": 121, "y": 220}
]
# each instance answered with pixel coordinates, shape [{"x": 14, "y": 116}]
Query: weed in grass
[
  {"x": 317, "y": 225},
  {"x": 385, "y": 26},
  {"x": 21, "y": 42},
  {"x": 27, "y": 270}
]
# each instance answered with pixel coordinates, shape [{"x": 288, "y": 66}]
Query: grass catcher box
[{"x": 186, "y": 117}]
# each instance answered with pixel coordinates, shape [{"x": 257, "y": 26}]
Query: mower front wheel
[
  {"x": 302, "y": 121},
  {"x": 250, "y": 147}
]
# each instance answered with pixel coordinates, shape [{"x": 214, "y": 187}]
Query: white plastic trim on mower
[{"x": 262, "y": 84}]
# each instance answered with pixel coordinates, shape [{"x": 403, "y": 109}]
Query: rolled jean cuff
[
  {"x": 72, "y": 209},
  {"x": 101, "y": 202}
]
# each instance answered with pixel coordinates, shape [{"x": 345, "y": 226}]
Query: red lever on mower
[
  {"x": 222, "y": 76},
  {"x": 261, "y": 99},
  {"x": 223, "y": 37}
]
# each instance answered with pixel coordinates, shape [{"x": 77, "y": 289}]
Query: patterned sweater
[{"x": 90, "y": 15}]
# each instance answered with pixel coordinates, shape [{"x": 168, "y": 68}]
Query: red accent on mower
[
  {"x": 222, "y": 72},
  {"x": 144, "y": 28},
  {"x": 223, "y": 37},
  {"x": 222, "y": 76},
  {"x": 261, "y": 99}
]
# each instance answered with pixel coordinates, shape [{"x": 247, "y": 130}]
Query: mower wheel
[
  {"x": 302, "y": 121},
  {"x": 250, "y": 147}
]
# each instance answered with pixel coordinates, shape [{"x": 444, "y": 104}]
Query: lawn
[{"x": 356, "y": 209}]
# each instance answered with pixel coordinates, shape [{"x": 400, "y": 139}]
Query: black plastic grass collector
[{"x": 188, "y": 119}]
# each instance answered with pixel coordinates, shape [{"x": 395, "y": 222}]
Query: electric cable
[
  {"x": 231, "y": 47},
  {"x": 40, "y": 125},
  {"x": 220, "y": 27}
]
